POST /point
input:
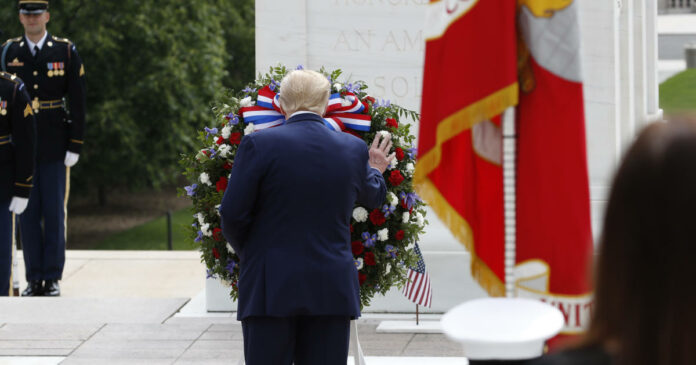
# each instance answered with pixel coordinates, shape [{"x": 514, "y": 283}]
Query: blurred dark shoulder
[{"x": 593, "y": 355}]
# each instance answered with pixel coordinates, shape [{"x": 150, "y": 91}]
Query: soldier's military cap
[{"x": 33, "y": 6}]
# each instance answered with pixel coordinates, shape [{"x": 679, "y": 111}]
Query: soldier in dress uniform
[
  {"x": 17, "y": 143},
  {"x": 53, "y": 72}
]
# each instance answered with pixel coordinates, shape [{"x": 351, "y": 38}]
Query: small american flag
[{"x": 418, "y": 288}]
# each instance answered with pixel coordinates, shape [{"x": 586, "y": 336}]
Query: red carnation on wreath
[
  {"x": 227, "y": 166},
  {"x": 236, "y": 138},
  {"x": 399, "y": 153},
  {"x": 391, "y": 122},
  {"x": 217, "y": 235},
  {"x": 221, "y": 184},
  {"x": 357, "y": 247},
  {"x": 399, "y": 235},
  {"x": 370, "y": 259},
  {"x": 377, "y": 217},
  {"x": 362, "y": 277},
  {"x": 216, "y": 253},
  {"x": 395, "y": 178}
]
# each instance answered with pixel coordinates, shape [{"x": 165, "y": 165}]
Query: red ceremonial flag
[{"x": 474, "y": 52}]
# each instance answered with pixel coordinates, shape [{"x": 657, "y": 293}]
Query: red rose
[
  {"x": 217, "y": 235},
  {"x": 220, "y": 140},
  {"x": 377, "y": 217},
  {"x": 370, "y": 259},
  {"x": 221, "y": 184},
  {"x": 391, "y": 122},
  {"x": 399, "y": 153},
  {"x": 235, "y": 138},
  {"x": 362, "y": 277},
  {"x": 395, "y": 178},
  {"x": 357, "y": 248},
  {"x": 399, "y": 235},
  {"x": 227, "y": 166},
  {"x": 216, "y": 253}
]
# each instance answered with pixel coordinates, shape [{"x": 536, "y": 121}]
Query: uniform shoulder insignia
[
  {"x": 18, "y": 39},
  {"x": 62, "y": 40}
]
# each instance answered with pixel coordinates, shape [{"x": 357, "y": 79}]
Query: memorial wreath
[{"x": 382, "y": 239}]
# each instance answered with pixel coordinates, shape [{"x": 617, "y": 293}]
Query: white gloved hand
[
  {"x": 18, "y": 205},
  {"x": 71, "y": 159}
]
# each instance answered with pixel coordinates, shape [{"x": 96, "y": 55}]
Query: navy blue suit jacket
[{"x": 287, "y": 211}]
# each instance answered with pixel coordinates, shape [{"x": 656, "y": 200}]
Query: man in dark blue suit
[{"x": 286, "y": 212}]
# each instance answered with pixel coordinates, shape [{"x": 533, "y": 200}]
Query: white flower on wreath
[
  {"x": 359, "y": 263},
  {"x": 201, "y": 219},
  {"x": 420, "y": 221},
  {"x": 384, "y": 134},
  {"x": 338, "y": 86},
  {"x": 205, "y": 228},
  {"x": 360, "y": 214},
  {"x": 217, "y": 209},
  {"x": 383, "y": 234},
  {"x": 230, "y": 249},
  {"x": 392, "y": 164},
  {"x": 410, "y": 246},
  {"x": 226, "y": 131},
  {"x": 405, "y": 217},
  {"x": 225, "y": 150},
  {"x": 410, "y": 168},
  {"x": 246, "y": 102},
  {"x": 205, "y": 179},
  {"x": 392, "y": 199},
  {"x": 387, "y": 269},
  {"x": 249, "y": 129}
]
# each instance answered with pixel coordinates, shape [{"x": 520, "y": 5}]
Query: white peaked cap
[{"x": 502, "y": 328}]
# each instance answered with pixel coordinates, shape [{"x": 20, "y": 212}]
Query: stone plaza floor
[{"x": 148, "y": 307}]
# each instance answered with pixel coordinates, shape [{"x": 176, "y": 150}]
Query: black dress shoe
[
  {"x": 34, "y": 289},
  {"x": 51, "y": 288}
]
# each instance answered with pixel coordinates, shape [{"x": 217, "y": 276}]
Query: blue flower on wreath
[
  {"x": 212, "y": 153},
  {"x": 273, "y": 85},
  {"x": 409, "y": 199},
  {"x": 194, "y": 225},
  {"x": 299, "y": 67},
  {"x": 209, "y": 274},
  {"x": 248, "y": 90},
  {"x": 209, "y": 131},
  {"x": 391, "y": 250},
  {"x": 191, "y": 190},
  {"x": 388, "y": 210},
  {"x": 232, "y": 118},
  {"x": 199, "y": 238},
  {"x": 353, "y": 88},
  {"x": 413, "y": 153},
  {"x": 369, "y": 240},
  {"x": 382, "y": 103},
  {"x": 230, "y": 266}
]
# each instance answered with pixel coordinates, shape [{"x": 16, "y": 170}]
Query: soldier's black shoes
[
  {"x": 51, "y": 288},
  {"x": 34, "y": 289}
]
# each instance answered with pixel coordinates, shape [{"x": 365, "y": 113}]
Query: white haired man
[{"x": 287, "y": 213}]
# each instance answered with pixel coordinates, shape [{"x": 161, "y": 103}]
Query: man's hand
[
  {"x": 18, "y": 205},
  {"x": 71, "y": 158},
  {"x": 379, "y": 151}
]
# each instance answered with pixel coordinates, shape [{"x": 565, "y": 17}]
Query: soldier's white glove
[
  {"x": 71, "y": 159},
  {"x": 18, "y": 205}
]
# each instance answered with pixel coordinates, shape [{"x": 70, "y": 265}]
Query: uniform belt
[
  {"x": 4, "y": 140},
  {"x": 50, "y": 104}
]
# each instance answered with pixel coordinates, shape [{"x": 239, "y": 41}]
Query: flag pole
[
  {"x": 417, "y": 314},
  {"x": 509, "y": 198}
]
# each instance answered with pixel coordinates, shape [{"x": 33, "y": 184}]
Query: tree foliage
[{"x": 154, "y": 68}]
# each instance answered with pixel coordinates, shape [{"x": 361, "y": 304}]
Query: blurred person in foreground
[
  {"x": 286, "y": 212},
  {"x": 645, "y": 303}
]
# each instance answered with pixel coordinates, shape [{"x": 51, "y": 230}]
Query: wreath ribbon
[{"x": 342, "y": 113}]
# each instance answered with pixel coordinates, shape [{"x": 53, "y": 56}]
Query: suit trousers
[
  {"x": 304, "y": 340},
  {"x": 43, "y": 224},
  {"x": 6, "y": 233}
]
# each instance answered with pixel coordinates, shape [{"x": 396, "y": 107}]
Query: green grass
[
  {"x": 678, "y": 93},
  {"x": 152, "y": 235}
]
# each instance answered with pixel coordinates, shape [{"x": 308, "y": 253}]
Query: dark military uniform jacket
[
  {"x": 57, "y": 72},
  {"x": 17, "y": 139}
]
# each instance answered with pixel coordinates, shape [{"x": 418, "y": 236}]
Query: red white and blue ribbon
[{"x": 342, "y": 112}]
